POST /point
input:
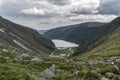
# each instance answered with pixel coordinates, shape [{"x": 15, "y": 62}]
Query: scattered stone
[
  {"x": 117, "y": 77},
  {"x": 117, "y": 60},
  {"x": 62, "y": 55},
  {"x": 52, "y": 68},
  {"x": 116, "y": 70},
  {"x": 48, "y": 74},
  {"x": 5, "y": 51},
  {"x": 103, "y": 78},
  {"x": 7, "y": 58},
  {"x": 109, "y": 75},
  {"x": 48, "y": 62},
  {"x": 40, "y": 78},
  {"x": 22, "y": 57},
  {"x": 36, "y": 60},
  {"x": 29, "y": 67},
  {"x": 75, "y": 72},
  {"x": 108, "y": 60}
]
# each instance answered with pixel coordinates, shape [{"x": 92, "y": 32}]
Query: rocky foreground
[{"x": 16, "y": 65}]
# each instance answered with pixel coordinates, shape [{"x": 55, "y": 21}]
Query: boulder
[
  {"x": 36, "y": 60},
  {"x": 29, "y": 67},
  {"x": 116, "y": 70},
  {"x": 40, "y": 78},
  {"x": 52, "y": 68},
  {"x": 48, "y": 74},
  {"x": 103, "y": 78},
  {"x": 76, "y": 72},
  {"x": 109, "y": 74},
  {"x": 22, "y": 56}
]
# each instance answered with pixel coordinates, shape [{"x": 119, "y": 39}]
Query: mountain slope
[
  {"x": 84, "y": 34},
  {"x": 80, "y": 33},
  {"x": 23, "y": 37},
  {"x": 109, "y": 45}
]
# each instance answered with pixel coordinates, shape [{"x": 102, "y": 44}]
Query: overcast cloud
[
  {"x": 109, "y": 7},
  {"x": 46, "y": 14}
]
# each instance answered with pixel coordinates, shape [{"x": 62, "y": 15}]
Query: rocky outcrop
[{"x": 47, "y": 73}]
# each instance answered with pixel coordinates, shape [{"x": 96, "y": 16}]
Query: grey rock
[
  {"x": 116, "y": 70},
  {"x": 7, "y": 58},
  {"x": 36, "y": 60},
  {"x": 52, "y": 68},
  {"x": 48, "y": 74},
  {"x": 109, "y": 74},
  {"x": 22, "y": 56},
  {"x": 5, "y": 51},
  {"x": 103, "y": 78},
  {"x": 29, "y": 67},
  {"x": 117, "y": 60},
  {"x": 40, "y": 78},
  {"x": 76, "y": 72}
]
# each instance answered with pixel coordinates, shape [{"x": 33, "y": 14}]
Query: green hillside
[
  {"x": 24, "y": 37},
  {"x": 106, "y": 30},
  {"x": 107, "y": 46},
  {"x": 98, "y": 61},
  {"x": 82, "y": 34}
]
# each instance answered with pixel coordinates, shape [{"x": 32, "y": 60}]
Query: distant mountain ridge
[
  {"x": 24, "y": 37},
  {"x": 84, "y": 34},
  {"x": 108, "y": 45},
  {"x": 81, "y": 34},
  {"x": 74, "y": 33},
  {"x": 42, "y": 31}
]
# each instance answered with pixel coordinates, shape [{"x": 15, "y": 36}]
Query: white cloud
[
  {"x": 1, "y": 3},
  {"x": 93, "y": 17},
  {"x": 50, "y": 10},
  {"x": 64, "y": 7},
  {"x": 85, "y": 6},
  {"x": 58, "y": 12},
  {"x": 33, "y": 11},
  {"x": 53, "y": 7},
  {"x": 109, "y": 7}
]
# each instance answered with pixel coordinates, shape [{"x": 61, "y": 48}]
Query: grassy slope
[
  {"x": 107, "y": 46},
  {"x": 31, "y": 38},
  {"x": 18, "y": 70},
  {"x": 25, "y": 70},
  {"x": 81, "y": 34},
  {"x": 100, "y": 33}
]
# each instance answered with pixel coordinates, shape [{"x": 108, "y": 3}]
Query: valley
[
  {"x": 59, "y": 39},
  {"x": 27, "y": 55}
]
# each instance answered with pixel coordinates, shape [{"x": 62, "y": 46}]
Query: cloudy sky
[{"x": 47, "y": 14}]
